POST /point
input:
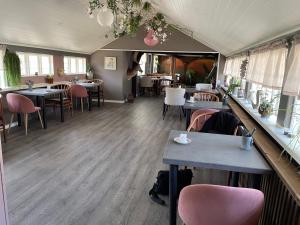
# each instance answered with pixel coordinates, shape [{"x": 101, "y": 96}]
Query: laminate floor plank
[{"x": 96, "y": 168}]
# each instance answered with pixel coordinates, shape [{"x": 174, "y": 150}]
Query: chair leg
[
  {"x": 40, "y": 118},
  {"x": 4, "y": 133},
  {"x": 81, "y": 103},
  {"x": 165, "y": 111},
  {"x": 229, "y": 178},
  {"x": 88, "y": 102},
  {"x": 11, "y": 120},
  {"x": 26, "y": 122}
]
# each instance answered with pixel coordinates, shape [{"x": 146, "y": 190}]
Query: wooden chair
[
  {"x": 94, "y": 92},
  {"x": 199, "y": 117},
  {"x": 204, "y": 96},
  {"x": 54, "y": 101},
  {"x": 2, "y": 120}
]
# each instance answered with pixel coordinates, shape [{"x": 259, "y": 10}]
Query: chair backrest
[
  {"x": 205, "y": 204},
  {"x": 203, "y": 86},
  {"x": 78, "y": 91},
  {"x": 175, "y": 96},
  {"x": 64, "y": 87},
  {"x": 165, "y": 81},
  {"x": 19, "y": 103},
  {"x": 221, "y": 122},
  {"x": 146, "y": 82},
  {"x": 199, "y": 117},
  {"x": 204, "y": 96}
]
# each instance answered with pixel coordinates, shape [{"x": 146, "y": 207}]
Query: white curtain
[
  {"x": 267, "y": 66},
  {"x": 233, "y": 66},
  {"x": 2, "y": 78},
  {"x": 292, "y": 82}
]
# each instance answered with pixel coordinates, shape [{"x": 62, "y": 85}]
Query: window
[
  {"x": 74, "y": 65},
  {"x": 35, "y": 64},
  {"x": 232, "y": 66},
  {"x": 142, "y": 63},
  {"x": 2, "y": 78}
]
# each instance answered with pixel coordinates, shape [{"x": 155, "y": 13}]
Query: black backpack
[{"x": 161, "y": 186}]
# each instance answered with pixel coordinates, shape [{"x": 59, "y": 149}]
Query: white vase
[{"x": 90, "y": 75}]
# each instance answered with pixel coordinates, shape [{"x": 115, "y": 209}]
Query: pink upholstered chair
[
  {"x": 212, "y": 204},
  {"x": 199, "y": 117},
  {"x": 21, "y": 104},
  {"x": 79, "y": 91}
]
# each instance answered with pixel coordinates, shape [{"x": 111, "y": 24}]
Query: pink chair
[
  {"x": 21, "y": 104},
  {"x": 79, "y": 91},
  {"x": 199, "y": 117},
  {"x": 212, "y": 204}
]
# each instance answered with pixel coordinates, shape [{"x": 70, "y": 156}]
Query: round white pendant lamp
[{"x": 105, "y": 17}]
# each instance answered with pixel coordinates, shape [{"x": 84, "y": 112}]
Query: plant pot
[
  {"x": 49, "y": 80},
  {"x": 90, "y": 75},
  {"x": 265, "y": 112}
]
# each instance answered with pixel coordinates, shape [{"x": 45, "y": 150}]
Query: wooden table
[
  {"x": 206, "y": 152},
  {"x": 42, "y": 93},
  {"x": 188, "y": 107},
  {"x": 90, "y": 87}
]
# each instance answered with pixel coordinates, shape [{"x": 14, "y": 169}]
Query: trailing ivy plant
[{"x": 12, "y": 68}]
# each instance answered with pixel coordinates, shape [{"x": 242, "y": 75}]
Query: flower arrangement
[
  {"x": 29, "y": 83},
  {"x": 265, "y": 108},
  {"x": 49, "y": 79},
  {"x": 158, "y": 25}
]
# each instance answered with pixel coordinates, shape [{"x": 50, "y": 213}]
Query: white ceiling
[
  {"x": 224, "y": 25},
  {"x": 54, "y": 24},
  {"x": 231, "y": 25}
]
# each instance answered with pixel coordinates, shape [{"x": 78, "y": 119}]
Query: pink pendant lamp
[{"x": 150, "y": 39}]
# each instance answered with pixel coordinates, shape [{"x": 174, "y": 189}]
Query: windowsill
[{"x": 270, "y": 126}]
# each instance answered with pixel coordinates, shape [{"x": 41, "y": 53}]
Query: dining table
[
  {"x": 90, "y": 87},
  {"x": 189, "y": 106},
  {"x": 191, "y": 90},
  {"x": 41, "y": 94},
  {"x": 205, "y": 152}
]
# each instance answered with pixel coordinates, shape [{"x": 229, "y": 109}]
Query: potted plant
[
  {"x": 89, "y": 72},
  {"x": 12, "y": 68},
  {"x": 265, "y": 108},
  {"x": 49, "y": 79},
  {"x": 234, "y": 84}
]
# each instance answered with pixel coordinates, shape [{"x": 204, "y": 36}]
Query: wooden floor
[{"x": 96, "y": 168}]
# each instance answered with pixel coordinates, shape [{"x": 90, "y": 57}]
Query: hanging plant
[
  {"x": 12, "y": 68},
  {"x": 159, "y": 27},
  {"x": 129, "y": 15}
]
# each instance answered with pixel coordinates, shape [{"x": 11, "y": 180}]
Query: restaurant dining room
[{"x": 149, "y": 112}]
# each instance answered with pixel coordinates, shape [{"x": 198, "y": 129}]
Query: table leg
[
  {"x": 19, "y": 119},
  {"x": 173, "y": 194},
  {"x": 235, "y": 179},
  {"x": 90, "y": 100},
  {"x": 44, "y": 112},
  {"x": 256, "y": 181},
  {"x": 98, "y": 96},
  {"x": 188, "y": 117},
  {"x": 61, "y": 97}
]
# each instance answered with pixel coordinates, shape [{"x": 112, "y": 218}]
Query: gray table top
[
  {"x": 205, "y": 104},
  {"x": 40, "y": 92},
  {"x": 214, "y": 151},
  {"x": 89, "y": 85},
  {"x": 194, "y": 90}
]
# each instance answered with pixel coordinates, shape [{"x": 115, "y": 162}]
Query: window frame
[
  {"x": 77, "y": 60},
  {"x": 40, "y": 66}
]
